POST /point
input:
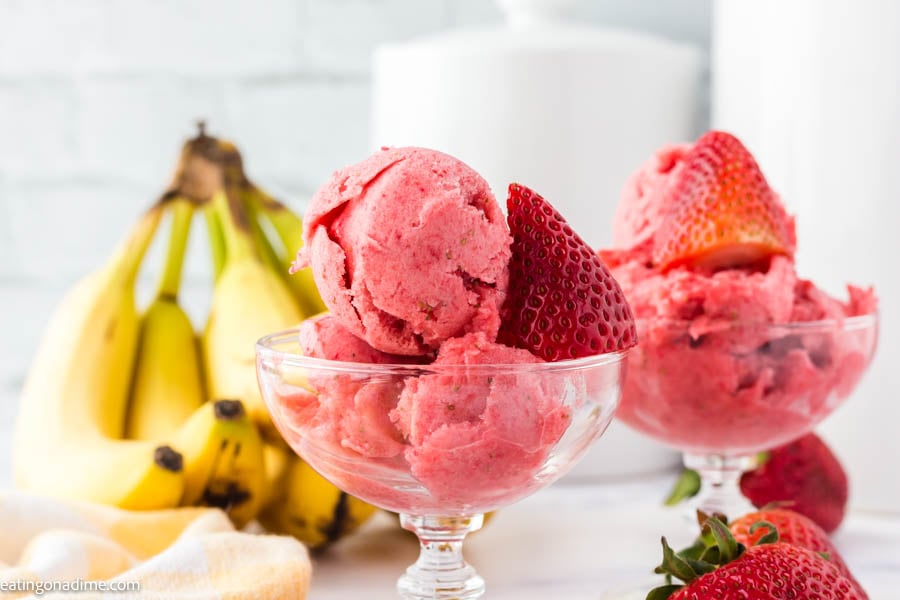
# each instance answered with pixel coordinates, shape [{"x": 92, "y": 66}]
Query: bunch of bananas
[{"x": 135, "y": 410}]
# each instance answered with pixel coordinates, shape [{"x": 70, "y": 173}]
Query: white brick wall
[{"x": 96, "y": 96}]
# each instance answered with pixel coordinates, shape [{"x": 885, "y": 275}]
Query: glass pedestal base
[
  {"x": 720, "y": 489},
  {"x": 441, "y": 573}
]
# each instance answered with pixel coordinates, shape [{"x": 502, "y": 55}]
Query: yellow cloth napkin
[{"x": 184, "y": 553}]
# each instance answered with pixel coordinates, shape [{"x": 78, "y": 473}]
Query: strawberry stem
[
  {"x": 729, "y": 549},
  {"x": 770, "y": 538},
  {"x": 675, "y": 565},
  {"x": 687, "y": 486},
  {"x": 715, "y": 547},
  {"x": 663, "y": 592}
]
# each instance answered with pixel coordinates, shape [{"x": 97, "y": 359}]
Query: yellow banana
[
  {"x": 223, "y": 460},
  {"x": 168, "y": 384},
  {"x": 289, "y": 229},
  {"x": 312, "y": 509},
  {"x": 216, "y": 242},
  {"x": 249, "y": 301},
  {"x": 276, "y": 457},
  {"x": 71, "y": 419}
]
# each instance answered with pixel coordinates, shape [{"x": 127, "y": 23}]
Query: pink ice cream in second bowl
[
  {"x": 730, "y": 361},
  {"x": 409, "y": 248}
]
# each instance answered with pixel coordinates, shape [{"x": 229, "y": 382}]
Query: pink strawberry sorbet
[
  {"x": 723, "y": 364},
  {"x": 408, "y": 248},
  {"x": 477, "y": 437},
  {"x": 465, "y": 437}
]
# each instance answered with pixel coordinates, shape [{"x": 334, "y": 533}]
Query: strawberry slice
[
  {"x": 724, "y": 214},
  {"x": 563, "y": 302}
]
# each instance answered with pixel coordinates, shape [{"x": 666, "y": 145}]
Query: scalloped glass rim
[{"x": 267, "y": 346}]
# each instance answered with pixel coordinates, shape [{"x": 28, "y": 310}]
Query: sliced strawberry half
[
  {"x": 562, "y": 302},
  {"x": 724, "y": 213}
]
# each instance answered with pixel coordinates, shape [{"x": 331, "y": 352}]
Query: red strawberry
[
  {"x": 728, "y": 570},
  {"x": 794, "y": 529},
  {"x": 724, "y": 214},
  {"x": 772, "y": 572},
  {"x": 563, "y": 302},
  {"x": 806, "y": 475}
]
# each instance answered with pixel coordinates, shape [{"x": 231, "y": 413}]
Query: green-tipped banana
[
  {"x": 249, "y": 301},
  {"x": 168, "y": 383},
  {"x": 72, "y": 412},
  {"x": 223, "y": 460},
  {"x": 267, "y": 251},
  {"x": 289, "y": 229},
  {"x": 216, "y": 239}
]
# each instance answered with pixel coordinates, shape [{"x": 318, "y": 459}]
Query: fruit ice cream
[
  {"x": 346, "y": 412},
  {"x": 457, "y": 406},
  {"x": 491, "y": 430},
  {"x": 408, "y": 248},
  {"x": 704, "y": 252}
]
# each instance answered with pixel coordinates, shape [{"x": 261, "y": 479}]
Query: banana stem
[
  {"x": 286, "y": 224},
  {"x": 235, "y": 225},
  {"x": 216, "y": 240},
  {"x": 129, "y": 256},
  {"x": 269, "y": 255},
  {"x": 182, "y": 216}
]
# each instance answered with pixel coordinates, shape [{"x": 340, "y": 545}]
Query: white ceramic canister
[
  {"x": 563, "y": 108},
  {"x": 813, "y": 88}
]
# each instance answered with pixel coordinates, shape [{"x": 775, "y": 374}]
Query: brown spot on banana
[
  {"x": 339, "y": 517},
  {"x": 169, "y": 459}
]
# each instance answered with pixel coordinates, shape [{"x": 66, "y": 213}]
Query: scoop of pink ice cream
[
  {"x": 408, "y": 248},
  {"x": 475, "y": 435},
  {"x": 710, "y": 374},
  {"x": 643, "y": 205},
  {"x": 347, "y": 413},
  {"x": 324, "y": 336}
]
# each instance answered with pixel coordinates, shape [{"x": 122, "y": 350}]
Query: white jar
[
  {"x": 565, "y": 109},
  {"x": 813, "y": 88}
]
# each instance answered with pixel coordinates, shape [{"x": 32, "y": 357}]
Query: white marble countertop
[{"x": 578, "y": 542}]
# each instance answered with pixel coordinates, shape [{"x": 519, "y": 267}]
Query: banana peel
[{"x": 312, "y": 509}]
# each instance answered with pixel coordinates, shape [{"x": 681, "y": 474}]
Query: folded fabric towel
[{"x": 75, "y": 551}]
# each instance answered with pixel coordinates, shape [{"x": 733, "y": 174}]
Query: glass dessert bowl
[
  {"x": 438, "y": 444},
  {"x": 723, "y": 392}
]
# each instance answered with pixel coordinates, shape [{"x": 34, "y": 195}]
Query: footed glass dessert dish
[
  {"x": 722, "y": 393},
  {"x": 439, "y": 444}
]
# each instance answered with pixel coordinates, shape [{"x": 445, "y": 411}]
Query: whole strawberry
[
  {"x": 794, "y": 529},
  {"x": 772, "y": 570},
  {"x": 723, "y": 212},
  {"x": 562, "y": 301},
  {"x": 806, "y": 476},
  {"x": 803, "y": 475}
]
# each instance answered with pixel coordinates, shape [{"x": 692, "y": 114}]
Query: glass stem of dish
[
  {"x": 720, "y": 484},
  {"x": 441, "y": 573}
]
